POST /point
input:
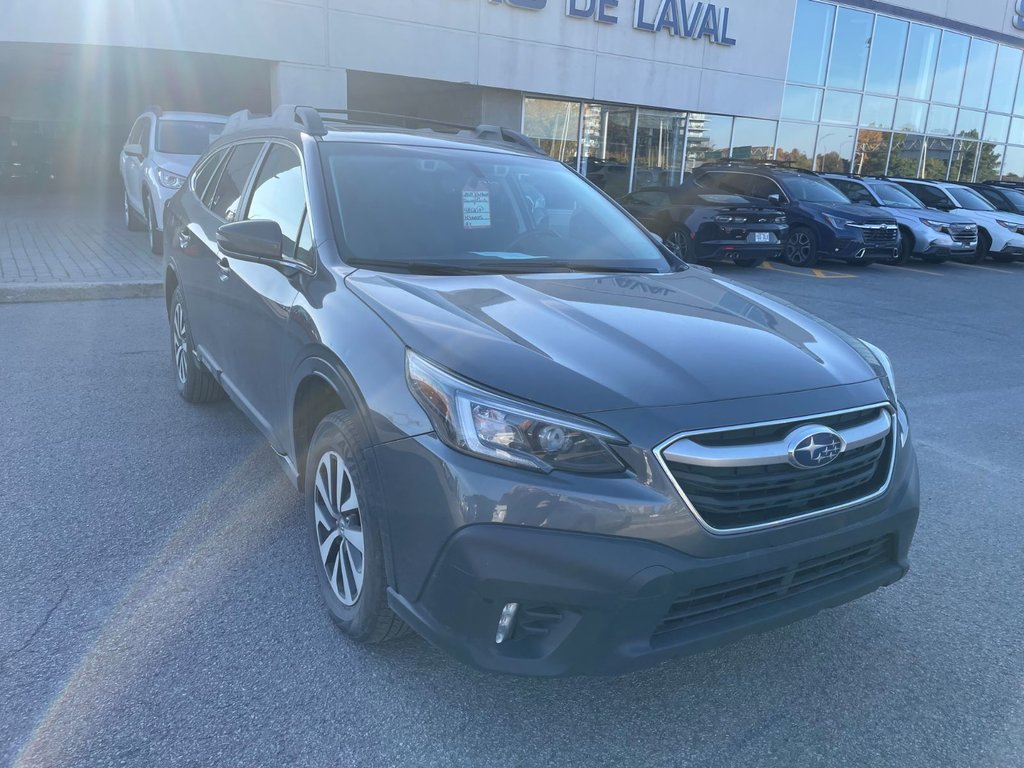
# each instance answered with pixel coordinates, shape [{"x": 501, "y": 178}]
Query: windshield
[
  {"x": 421, "y": 209},
  {"x": 896, "y": 196},
  {"x": 970, "y": 199},
  {"x": 809, "y": 189},
  {"x": 185, "y": 137}
]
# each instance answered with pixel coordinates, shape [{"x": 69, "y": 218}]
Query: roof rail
[
  {"x": 285, "y": 116},
  {"x": 786, "y": 165},
  {"x": 155, "y": 109},
  {"x": 490, "y": 133}
]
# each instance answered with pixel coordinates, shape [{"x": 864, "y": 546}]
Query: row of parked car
[{"x": 746, "y": 212}]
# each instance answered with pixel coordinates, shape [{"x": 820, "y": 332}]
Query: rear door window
[
  {"x": 279, "y": 194},
  {"x": 204, "y": 172},
  {"x": 227, "y": 195},
  {"x": 928, "y": 195},
  {"x": 760, "y": 186},
  {"x": 856, "y": 192}
]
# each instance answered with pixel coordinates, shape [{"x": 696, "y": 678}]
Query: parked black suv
[
  {"x": 522, "y": 426},
  {"x": 823, "y": 223},
  {"x": 698, "y": 225},
  {"x": 1006, "y": 196}
]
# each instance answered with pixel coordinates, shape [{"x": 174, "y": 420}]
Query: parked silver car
[{"x": 159, "y": 153}]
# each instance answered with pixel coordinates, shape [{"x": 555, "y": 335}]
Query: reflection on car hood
[{"x": 587, "y": 343}]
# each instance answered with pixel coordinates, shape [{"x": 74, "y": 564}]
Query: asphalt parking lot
[{"x": 158, "y": 605}]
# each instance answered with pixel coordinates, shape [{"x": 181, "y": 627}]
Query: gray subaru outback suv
[{"x": 524, "y": 428}]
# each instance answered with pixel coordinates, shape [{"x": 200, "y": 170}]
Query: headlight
[
  {"x": 498, "y": 428},
  {"x": 938, "y": 226},
  {"x": 880, "y": 364},
  {"x": 1012, "y": 226},
  {"x": 168, "y": 179},
  {"x": 835, "y": 221}
]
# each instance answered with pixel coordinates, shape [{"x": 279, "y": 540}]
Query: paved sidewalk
[{"x": 56, "y": 247}]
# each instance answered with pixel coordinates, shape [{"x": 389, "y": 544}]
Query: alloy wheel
[
  {"x": 676, "y": 242},
  {"x": 339, "y": 530},
  {"x": 798, "y": 248},
  {"x": 180, "y": 343}
]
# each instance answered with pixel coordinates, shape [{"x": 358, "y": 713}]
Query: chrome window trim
[{"x": 893, "y": 429}]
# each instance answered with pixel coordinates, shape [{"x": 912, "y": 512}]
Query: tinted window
[
  {"x": 930, "y": 196},
  {"x": 919, "y": 65},
  {"x": 970, "y": 199},
  {"x": 722, "y": 181},
  {"x": 401, "y": 205},
  {"x": 811, "y": 189},
  {"x": 949, "y": 73},
  {"x": 850, "y": 49},
  {"x": 1015, "y": 198},
  {"x": 887, "y": 47},
  {"x": 978, "y": 78},
  {"x": 205, "y": 172},
  {"x": 856, "y": 192},
  {"x": 814, "y": 29},
  {"x": 761, "y": 186},
  {"x": 896, "y": 196},
  {"x": 279, "y": 194},
  {"x": 228, "y": 193},
  {"x": 180, "y": 137}
]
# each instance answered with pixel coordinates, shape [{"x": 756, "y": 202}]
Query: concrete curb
[{"x": 16, "y": 293}]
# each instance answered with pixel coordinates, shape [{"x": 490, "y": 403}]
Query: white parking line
[{"x": 979, "y": 266}]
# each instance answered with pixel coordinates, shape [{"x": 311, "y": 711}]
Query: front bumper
[
  {"x": 1015, "y": 252},
  {"x": 600, "y": 604},
  {"x": 855, "y": 249},
  {"x": 944, "y": 247}
]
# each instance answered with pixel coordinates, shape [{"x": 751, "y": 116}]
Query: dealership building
[{"x": 631, "y": 92}]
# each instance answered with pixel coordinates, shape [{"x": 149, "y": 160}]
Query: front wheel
[
  {"x": 678, "y": 241},
  {"x": 906, "y": 249},
  {"x": 343, "y": 500},
  {"x": 801, "y": 248}
]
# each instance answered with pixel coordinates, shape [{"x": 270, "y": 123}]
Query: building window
[
  {"x": 997, "y": 127},
  {"x": 872, "y": 152},
  {"x": 707, "y": 139},
  {"x": 849, "y": 59},
  {"x": 800, "y": 103},
  {"x": 905, "y": 155},
  {"x": 834, "y": 149},
  {"x": 963, "y": 161},
  {"x": 1004, "y": 79},
  {"x": 919, "y": 63},
  {"x": 1013, "y": 164},
  {"x": 910, "y": 116},
  {"x": 941, "y": 120},
  {"x": 949, "y": 72},
  {"x": 660, "y": 139},
  {"x": 813, "y": 30},
  {"x": 969, "y": 123},
  {"x": 555, "y": 126},
  {"x": 887, "y": 49},
  {"x": 990, "y": 161},
  {"x": 753, "y": 139},
  {"x": 607, "y": 155},
  {"x": 877, "y": 112},
  {"x": 936, "y": 158},
  {"x": 795, "y": 144},
  {"x": 978, "y": 76},
  {"x": 840, "y": 107}
]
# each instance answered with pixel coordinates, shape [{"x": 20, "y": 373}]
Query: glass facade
[{"x": 865, "y": 93}]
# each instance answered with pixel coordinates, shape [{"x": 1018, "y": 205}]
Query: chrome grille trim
[{"x": 661, "y": 448}]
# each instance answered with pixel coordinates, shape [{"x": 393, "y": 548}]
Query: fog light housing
[{"x": 507, "y": 622}]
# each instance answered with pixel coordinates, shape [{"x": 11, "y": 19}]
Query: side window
[
  {"x": 927, "y": 195},
  {"x": 718, "y": 181},
  {"x": 304, "y": 247},
  {"x": 227, "y": 195},
  {"x": 854, "y": 191},
  {"x": 279, "y": 194},
  {"x": 993, "y": 197},
  {"x": 145, "y": 131},
  {"x": 761, "y": 186},
  {"x": 135, "y": 137},
  {"x": 204, "y": 172}
]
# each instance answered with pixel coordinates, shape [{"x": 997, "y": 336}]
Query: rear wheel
[
  {"x": 343, "y": 499},
  {"x": 156, "y": 241},
  {"x": 801, "y": 248},
  {"x": 984, "y": 246},
  {"x": 195, "y": 383}
]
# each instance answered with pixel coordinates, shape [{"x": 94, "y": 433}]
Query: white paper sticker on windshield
[{"x": 476, "y": 209}]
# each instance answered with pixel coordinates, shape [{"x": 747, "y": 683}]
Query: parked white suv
[{"x": 160, "y": 152}]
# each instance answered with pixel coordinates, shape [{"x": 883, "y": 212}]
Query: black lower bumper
[
  {"x": 1010, "y": 252},
  {"x": 590, "y": 604}
]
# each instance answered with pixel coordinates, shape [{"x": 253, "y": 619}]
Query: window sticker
[{"x": 476, "y": 208}]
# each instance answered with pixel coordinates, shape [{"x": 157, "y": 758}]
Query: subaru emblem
[{"x": 814, "y": 446}]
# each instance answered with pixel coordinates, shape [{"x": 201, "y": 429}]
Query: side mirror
[
  {"x": 133, "y": 150},
  {"x": 256, "y": 240},
  {"x": 775, "y": 198}
]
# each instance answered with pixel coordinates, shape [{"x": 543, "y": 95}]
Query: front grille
[
  {"x": 878, "y": 235},
  {"x": 963, "y": 235},
  {"x": 719, "y": 601},
  {"x": 736, "y": 497}
]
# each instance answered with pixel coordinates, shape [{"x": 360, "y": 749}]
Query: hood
[
  {"x": 913, "y": 216},
  {"x": 587, "y": 343},
  {"x": 857, "y": 213},
  {"x": 179, "y": 164}
]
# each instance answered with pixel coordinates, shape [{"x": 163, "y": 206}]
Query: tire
[
  {"x": 984, "y": 246},
  {"x": 195, "y": 383},
  {"x": 678, "y": 241},
  {"x": 749, "y": 262},
  {"x": 343, "y": 495},
  {"x": 906, "y": 249},
  {"x": 801, "y": 248},
  {"x": 156, "y": 237},
  {"x": 131, "y": 219}
]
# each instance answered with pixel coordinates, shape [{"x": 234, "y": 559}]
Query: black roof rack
[
  {"x": 314, "y": 121},
  {"x": 862, "y": 176},
  {"x": 1000, "y": 183}
]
